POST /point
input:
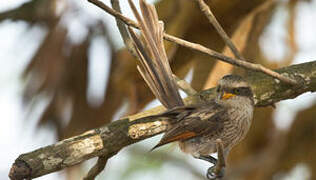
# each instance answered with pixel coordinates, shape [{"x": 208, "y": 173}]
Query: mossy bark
[{"x": 111, "y": 138}]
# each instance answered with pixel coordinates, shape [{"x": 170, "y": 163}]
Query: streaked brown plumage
[{"x": 196, "y": 127}]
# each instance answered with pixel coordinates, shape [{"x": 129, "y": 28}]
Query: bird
[{"x": 197, "y": 127}]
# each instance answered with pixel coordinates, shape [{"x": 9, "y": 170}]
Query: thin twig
[
  {"x": 122, "y": 28},
  {"x": 121, "y": 25},
  {"x": 200, "y": 48},
  {"x": 114, "y": 13},
  {"x": 97, "y": 168},
  {"x": 184, "y": 86},
  {"x": 236, "y": 62},
  {"x": 212, "y": 19}
]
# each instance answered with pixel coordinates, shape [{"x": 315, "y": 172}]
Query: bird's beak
[{"x": 227, "y": 95}]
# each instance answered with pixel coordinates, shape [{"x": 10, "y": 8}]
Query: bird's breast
[{"x": 237, "y": 126}]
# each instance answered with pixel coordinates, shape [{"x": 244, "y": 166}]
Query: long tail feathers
[{"x": 154, "y": 65}]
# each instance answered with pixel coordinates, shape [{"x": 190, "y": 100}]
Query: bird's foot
[{"x": 214, "y": 173}]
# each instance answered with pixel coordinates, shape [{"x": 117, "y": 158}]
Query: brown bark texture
[
  {"x": 58, "y": 71},
  {"x": 109, "y": 139}
]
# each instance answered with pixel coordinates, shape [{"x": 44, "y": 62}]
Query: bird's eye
[{"x": 236, "y": 91}]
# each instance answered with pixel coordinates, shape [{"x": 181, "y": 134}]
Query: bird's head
[{"x": 232, "y": 90}]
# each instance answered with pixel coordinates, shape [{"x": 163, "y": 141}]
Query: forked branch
[
  {"x": 108, "y": 140},
  {"x": 200, "y": 48}
]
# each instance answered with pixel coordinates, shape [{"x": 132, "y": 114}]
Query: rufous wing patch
[{"x": 183, "y": 136}]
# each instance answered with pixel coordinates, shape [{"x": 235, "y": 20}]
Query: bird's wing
[
  {"x": 201, "y": 121},
  {"x": 154, "y": 65}
]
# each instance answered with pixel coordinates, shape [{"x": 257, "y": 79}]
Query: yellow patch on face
[{"x": 227, "y": 95}]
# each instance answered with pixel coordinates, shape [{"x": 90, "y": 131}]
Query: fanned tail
[{"x": 154, "y": 65}]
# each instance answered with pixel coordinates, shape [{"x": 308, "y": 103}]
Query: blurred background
[{"x": 64, "y": 70}]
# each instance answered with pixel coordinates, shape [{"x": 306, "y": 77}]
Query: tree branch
[
  {"x": 212, "y": 19},
  {"x": 121, "y": 25},
  {"x": 184, "y": 86},
  {"x": 97, "y": 168},
  {"x": 108, "y": 140},
  {"x": 200, "y": 48}
]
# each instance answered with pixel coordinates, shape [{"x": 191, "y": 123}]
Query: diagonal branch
[
  {"x": 110, "y": 139},
  {"x": 97, "y": 168},
  {"x": 186, "y": 87},
  {"x": 200, "y": 48},
  {"x": 212, "y": 19},
  {"x": 121, "y": 25},
  {"x": 236, "y": 62}
]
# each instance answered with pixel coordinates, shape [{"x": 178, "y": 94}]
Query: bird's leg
[{"x": 218, "y": 170}]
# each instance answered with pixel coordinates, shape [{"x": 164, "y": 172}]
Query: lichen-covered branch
[{"x": 110, "y": 139}]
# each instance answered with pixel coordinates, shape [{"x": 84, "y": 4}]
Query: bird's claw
[{"x": 213, "y": 175}]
